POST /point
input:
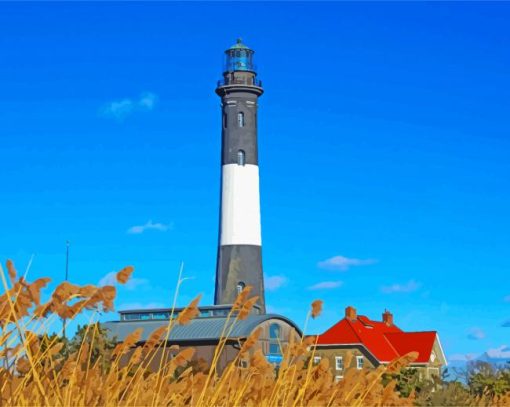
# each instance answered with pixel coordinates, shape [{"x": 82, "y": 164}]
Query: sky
[{"x": 384, "y": 146}]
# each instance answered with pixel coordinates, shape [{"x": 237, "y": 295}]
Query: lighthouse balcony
[{"x": 242, "y": 80}]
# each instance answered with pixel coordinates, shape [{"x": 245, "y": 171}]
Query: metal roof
[
  {"x": 239, "y": 45},
  {"x": 200, "y": 329}
]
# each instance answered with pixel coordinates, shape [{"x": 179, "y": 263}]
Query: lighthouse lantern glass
[{"x": 239, "y": 60}]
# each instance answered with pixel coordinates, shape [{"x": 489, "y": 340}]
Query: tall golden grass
[{"x": 36, "y": 371}]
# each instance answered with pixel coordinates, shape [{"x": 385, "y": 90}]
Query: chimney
[
  {"x": 387, "y": 317},
  {"x": 350, "y": 312}
]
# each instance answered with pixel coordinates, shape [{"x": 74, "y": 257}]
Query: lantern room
[{"x": 239, "y": 58}]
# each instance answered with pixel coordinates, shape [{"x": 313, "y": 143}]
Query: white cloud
[
  {"x": 476, "y": 334},
  {"x": 108, "y": 279},
  {"x": 408, "y": 287},
  {"x": 326, "y": 285},
  {"x": 503, "y": 352},
  {"x": 343, "y": 263},
  {"x": 462, "y": 357},
  {"x": 132, "y": 283},
  {"x": 273, "y": 283},
  {"x": 150, "y": 225},
  {"x": 120, "y": 109},
  {"x": 147, "y": 101}
]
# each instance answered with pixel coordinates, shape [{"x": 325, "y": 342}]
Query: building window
[
  {"x": 241, "y": 157},
  {"x": 338, "y": 378},
  {"x": 240, "y": 119},
  {"x": 225, "y": 120},
  {"x": 274, "y": 339},
  {"x": 316, "y": 360},
  {"x": 240, "y": 287},
  {"x": 274, "y": 349},
  {"x": 359, "y": 362},
  {"x": 339, "y": 362},
  {"x": 434, "y": 371},
  {"x": 130, "y": 317},
  {"x": 160, "y": 315}
]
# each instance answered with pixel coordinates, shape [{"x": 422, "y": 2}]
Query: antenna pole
[
  {"x": 67, "y": 260},
  {"x": 66, "y": 278}
]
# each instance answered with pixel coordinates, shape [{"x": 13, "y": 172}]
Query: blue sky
[{"x": 384, "y": 143}]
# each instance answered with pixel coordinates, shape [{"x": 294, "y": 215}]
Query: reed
[{"x": 39, "y": 369}]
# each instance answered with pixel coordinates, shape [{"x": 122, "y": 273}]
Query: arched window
[
  {"x": 240, "y": 287},
  {"x": 241, "y": 157},
  {"x": 240, "y": 119},
  {"x": 274, "y": 339}
]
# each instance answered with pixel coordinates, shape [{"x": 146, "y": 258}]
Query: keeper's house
[
  {"x": 373, "y": 343},
  {"x": 204, "y": 332}
]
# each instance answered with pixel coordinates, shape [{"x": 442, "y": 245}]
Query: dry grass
[{"x": 34, "y": 371}]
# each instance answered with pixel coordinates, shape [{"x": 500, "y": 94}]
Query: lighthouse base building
[{"x": 204, "y": 333}]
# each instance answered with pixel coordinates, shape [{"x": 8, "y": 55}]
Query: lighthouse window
[
  {"x": 225, "y": 121},
  {"x": 240, "y": 287},
  {"x": 240, "y": 119},
  {"x": 241, "y": 157}
]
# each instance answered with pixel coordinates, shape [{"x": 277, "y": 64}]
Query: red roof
[
  {"x": 421, "y": 342},
  {"x": 385, "y": 342}
]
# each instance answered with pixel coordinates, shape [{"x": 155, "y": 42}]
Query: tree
[
  {"x": 95, "y": 340},
  {"x": 489, "y": 380},
  {"x": 408, "y": 381}
]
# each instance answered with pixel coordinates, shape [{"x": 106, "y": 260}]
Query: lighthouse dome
[{"x": 239, "y": 45}]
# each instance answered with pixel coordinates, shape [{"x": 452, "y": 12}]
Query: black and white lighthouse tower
[{"x": 239, "y": 260}]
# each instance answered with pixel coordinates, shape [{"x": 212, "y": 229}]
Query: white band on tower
[{"x": 240, "y": 205}]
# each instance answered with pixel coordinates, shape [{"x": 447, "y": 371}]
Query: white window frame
[
  {"x": 241, "y": 157},
  {"x": 358, "y": 360},
  {"x": 240, "y": 119},
  {"x": 240, "y": 287},
  {"x": 434, "y": 371},
  {"x": 316, "y": 360},
  {"x": 338, "y": 378},
  {"x": 341, "y": 360}
]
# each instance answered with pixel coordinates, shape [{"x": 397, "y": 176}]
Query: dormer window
[{"x": 432, "y": 357}]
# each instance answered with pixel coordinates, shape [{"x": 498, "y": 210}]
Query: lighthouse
[{"x": 239, "y": 261}]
